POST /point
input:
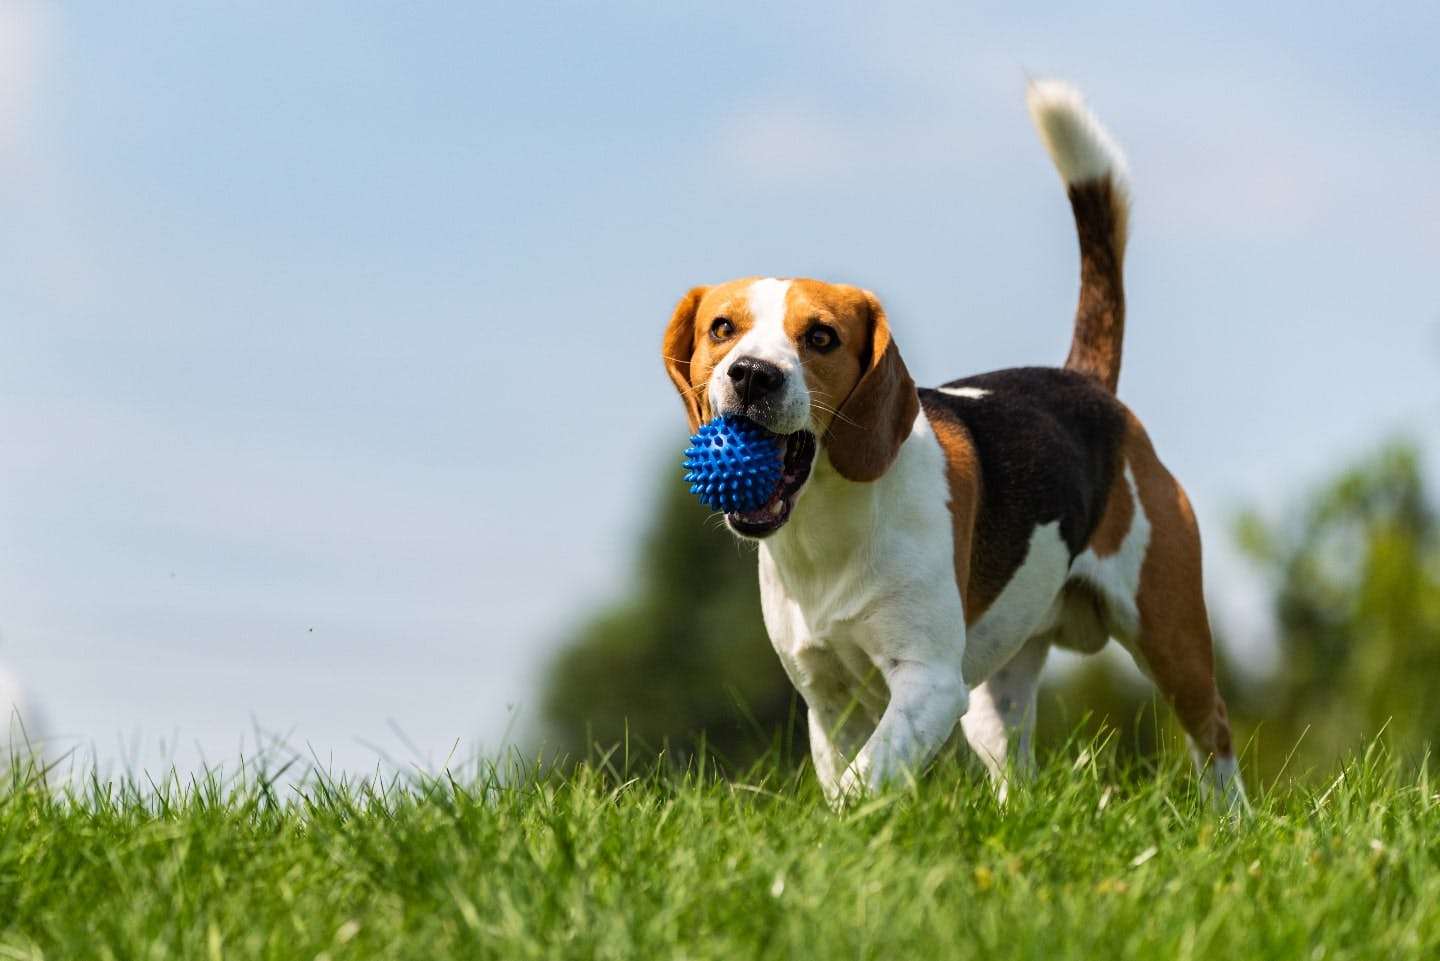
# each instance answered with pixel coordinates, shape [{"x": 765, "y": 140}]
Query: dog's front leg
[
  {"x": 838, "y": 730},
  {"x": 926, "y": 701},
  {"x": 829, "y": 760}
]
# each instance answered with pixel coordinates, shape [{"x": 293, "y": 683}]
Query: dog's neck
[
  {"x": 833, "y": 518},
  {"x": 839, "y": 525}
]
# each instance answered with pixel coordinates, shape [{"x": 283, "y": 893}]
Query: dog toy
[{"x": 734, "y": 464}]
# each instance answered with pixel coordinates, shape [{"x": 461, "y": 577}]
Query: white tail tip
[{"x": 1077, "y": 143}]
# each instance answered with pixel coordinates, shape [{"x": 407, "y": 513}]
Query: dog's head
[{"x": 809, "y": 361}]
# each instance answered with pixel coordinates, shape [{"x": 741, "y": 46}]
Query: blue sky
[{"x": 329, "y": 381}]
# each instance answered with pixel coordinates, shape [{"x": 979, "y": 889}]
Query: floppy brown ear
[
  {"x": 679, "y": 347},
  {"x": 872, "y": 423}
]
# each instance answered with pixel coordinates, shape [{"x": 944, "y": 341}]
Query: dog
[{"x": 925, "y": 548}]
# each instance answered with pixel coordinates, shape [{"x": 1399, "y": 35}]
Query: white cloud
[
  {"x": 1228, "y": 142},
  {"x": 792, "y": 142},
  {"x": 26, "y": 27},
  {"x": 785, "y": 141},
  {"x": 1273, "y": 159},
  {"x": 45, "y": 237}
]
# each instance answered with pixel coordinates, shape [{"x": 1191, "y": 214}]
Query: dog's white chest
[
  {"x": 864, "y": 577},
  {"x": 824, "y": 649}
]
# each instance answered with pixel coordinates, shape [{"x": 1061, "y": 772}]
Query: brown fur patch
[
  {"x": 1174, "y": 637},
  {"x": 963, "y": 473},
  {"x": 678, "y": 349},
  {"x": 1118, "y": 515},
  {"x": 691, "y": 353},
  {"x": 865, "y": 434},
  {"x": 1101, "y": 214},
  {"x": 831, "y": 377}
]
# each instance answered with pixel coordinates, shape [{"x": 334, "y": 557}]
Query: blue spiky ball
[{"x": 734, "y": 464}]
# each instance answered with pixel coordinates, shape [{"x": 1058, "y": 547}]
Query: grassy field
[{"x": 1094, "y": 861}]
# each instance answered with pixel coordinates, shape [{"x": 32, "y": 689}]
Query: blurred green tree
[
  {"x": 683, "y": 658},
  {"x": 1355, "y": 574}
]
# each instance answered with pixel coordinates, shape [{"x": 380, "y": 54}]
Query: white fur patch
[
  {"x": 1117, "y": 576},
  {"x": 767, "y": 307},
  {"x": 1229, "y": 789},
  {"x": 1220, "y": 779},
  {"x": 1004, "y": 708},
  {"x": 1023, "y": 605},
  {"x": 973, "y": 393},
  {"x": 766, "y": 340},
  {"x": 1077, "y": 143}
]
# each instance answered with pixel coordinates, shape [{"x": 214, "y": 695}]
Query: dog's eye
[
  {"x": 721, "y": 328},
  {"x": 822, "y": 338}
]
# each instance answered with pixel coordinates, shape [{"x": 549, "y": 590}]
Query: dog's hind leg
[
  {"x": 1172, "y": 641},
  {"x": 1000, "y": 723}
]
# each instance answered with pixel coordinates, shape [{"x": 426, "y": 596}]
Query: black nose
[{"x": 755, "y": 379}]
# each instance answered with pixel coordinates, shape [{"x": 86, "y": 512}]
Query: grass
[{"x": 1095, "y": 860}]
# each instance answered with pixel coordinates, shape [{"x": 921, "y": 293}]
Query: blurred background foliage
[
  {"x": 1354, "y": 574},
  {"x": 683, "y": 658},
  {"x": 1352, "y": 570}
]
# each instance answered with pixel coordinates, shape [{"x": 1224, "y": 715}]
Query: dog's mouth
[{"x": 772, "y": 515}]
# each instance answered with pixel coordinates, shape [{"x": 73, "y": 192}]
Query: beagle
[{"x": 925, "y": 548}]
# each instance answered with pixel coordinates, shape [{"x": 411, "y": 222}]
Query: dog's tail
[{"x": 1094, "y": 172}]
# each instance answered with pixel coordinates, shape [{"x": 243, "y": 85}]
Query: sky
[{"x": 330, "y": 388}]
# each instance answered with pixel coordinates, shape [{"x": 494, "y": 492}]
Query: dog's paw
[{"x": 852, "y": 787}]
